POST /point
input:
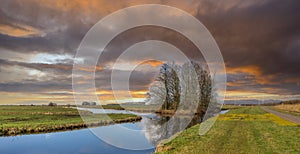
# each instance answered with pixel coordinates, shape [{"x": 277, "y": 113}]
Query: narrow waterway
[{"x": 143, "y": 135}]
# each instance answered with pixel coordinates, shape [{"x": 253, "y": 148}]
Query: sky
[{"x": 259, "y": 41}]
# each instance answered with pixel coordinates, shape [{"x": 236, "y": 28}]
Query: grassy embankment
[
  {"x": 36, "y": 119},
  {"x": 242, "y": 130},
  {"x": 293, "y": 109}
]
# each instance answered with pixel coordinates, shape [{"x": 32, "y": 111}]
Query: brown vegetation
[{"x": 289, "y": 107}]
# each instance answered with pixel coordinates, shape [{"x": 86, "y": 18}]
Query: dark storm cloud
[
  {"x": 62, "y": 78},
  {"x": 63, "y": 31},
  {"x": 120, "y": 43},
  {"x": 138, "y": 80},
  {"x": 246, "y": 82},
  {"x": 59, "y": 68},
  {"x": 259, "y": 34},
  {"x": 266, "y": 35},
  {"x": 262, "y": 33},
  {"x": 35, "y": 87},
  {"x": 41, "y": 44},
  {"x": 65, "y": 84}
]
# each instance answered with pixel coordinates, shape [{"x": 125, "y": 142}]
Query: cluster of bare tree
[
  {"x": 89, "y": 103},
  {"x": 179, "y": 86},
  {"x": 52, "y": 104}
]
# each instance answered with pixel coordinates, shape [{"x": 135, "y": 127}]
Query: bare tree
[
  {"x": 163, "y": 78},
  {"x": 156, "y": 94},
  {"x": 189, "y": 84},
  {"x": 166, "y": 88},
  {"x": 173, "y": 86},
  {"x": 205, "y": 86},
  {"x": 52, "y": 104}
]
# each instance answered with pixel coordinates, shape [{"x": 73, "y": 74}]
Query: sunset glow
[{"x": 37, "y": 50}]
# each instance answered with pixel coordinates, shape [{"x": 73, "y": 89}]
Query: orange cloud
[
  {"x": 30, "y": 98},
  {"x": 250, "y": 69},
  {"x": 92, "y": 6},
  {"x": 153, "y": 63},
  {"x": 109, "y": 95},
  {"x": 104, "y": 92},
  {"x": 233, "y": 84},
  {"x": 292, "y": 80},
  {"x": 246, "y": 95},
  {"x": 139, "y": 92},
  {"x": 121, "y": 92},
  {"x": 254, "y": 70},
  {"x": 20, "y": 31},
  {"x": 63, "y": 67},
  {"x": 90, "y": 69}
]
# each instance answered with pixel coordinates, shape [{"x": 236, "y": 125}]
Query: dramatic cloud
[
  {"x": 259, "y": 40},
  {"x": 20, "y": 31},
  {"x": 266, "y": 35}
]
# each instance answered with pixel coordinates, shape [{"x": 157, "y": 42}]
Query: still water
[{"x": 70, "y": 142}]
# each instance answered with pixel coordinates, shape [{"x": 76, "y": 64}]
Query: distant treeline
[
  {"x": 283, "y": 102},
  {"x": 269, "y": 104},
  {"x": 89, "y": 103},
  {"x": 290, "y": 102}
]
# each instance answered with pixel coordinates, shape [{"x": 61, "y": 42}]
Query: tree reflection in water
[{"x": 159, "y": 127}]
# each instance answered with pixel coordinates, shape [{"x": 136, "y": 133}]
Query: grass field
[
  {"x": 34, "y": 119},
  {"x": 293, "y": 109},
  {"x": 242, "y": 130},
  {"x": 228, "y": 107}
]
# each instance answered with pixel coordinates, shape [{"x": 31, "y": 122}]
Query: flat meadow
[
  {"x": 16, "y": 120},
  {"x": 241, "y": 130}
]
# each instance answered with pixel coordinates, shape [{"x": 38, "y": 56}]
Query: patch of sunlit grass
[
  {"x": 242, "y": 130},
  {"x": 281, "y": 121},
  {"x": 256, "y": 117}
]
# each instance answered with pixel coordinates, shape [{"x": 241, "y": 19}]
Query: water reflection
[
  {"x": 104, "y": 111},
  {"x": 153, "y": 127},
  {"x": 163, "y": 127},
  {"x": 69, "y": 142},
  {"x": 147, "y": 133}
]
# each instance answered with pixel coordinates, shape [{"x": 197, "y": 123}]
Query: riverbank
[
  {"x": 241, "y": 130},
  {"x": 15, "y": 120}
]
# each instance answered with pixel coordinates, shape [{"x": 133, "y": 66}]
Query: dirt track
[{"x": 288, "y": 117}]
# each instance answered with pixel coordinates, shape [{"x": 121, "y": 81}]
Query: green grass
[
  {"x": 228, "y": 107},
  {"x": 242, "y": 135},
  {"x": 247, "y": 110},
  {"x": 142, "y": 108},
  {"x": 31, "y": 119}
]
